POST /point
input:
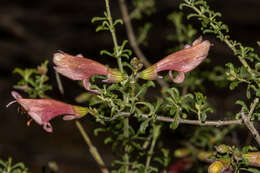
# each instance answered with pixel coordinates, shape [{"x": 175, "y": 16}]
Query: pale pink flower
[
  {"x": 182, "y": 61},
  {"x": 43, "y": 110},
  {"x": 79, "y": 68}
]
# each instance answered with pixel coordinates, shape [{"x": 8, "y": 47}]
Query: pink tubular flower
[
  {"x": 43, "y": 110},
  {"x": 182, "y": 61},
  {"x": 79, "y": 68}
]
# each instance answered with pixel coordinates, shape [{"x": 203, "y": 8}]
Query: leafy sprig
[
  {"x": 33, "y": 80},
  {"x": 9, "y": 167}
]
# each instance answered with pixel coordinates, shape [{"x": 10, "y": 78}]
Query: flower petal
[
  {"x": 87, "y": 86},
  {"x": 70, "y": 73},
  {"x": 186, "y": 46},
  {"x": 179, "y": 78},
  {"x": 197, "y": 41},
  {"x": 16, "y": 95},
  {"x": 10, "y": 103},
  {"x": 48, "y": 127},
  {"x": 69, "y": 117},
  {"x": 36, "y": 117}
]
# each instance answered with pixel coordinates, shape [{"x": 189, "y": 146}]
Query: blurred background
[{"x": 32, "y": 31}]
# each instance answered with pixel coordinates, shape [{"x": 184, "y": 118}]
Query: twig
[
  {"x": 126, "y": 120},
  {"x": 156, "y": 132},
  {"x": 216, "y": 123},
  {"x": 126, "y": 135},
  {"x": 132, "y": 39},
  {"x": 92, "y": 148},
  {"x": 249, "y": 124},
  {"x": 229, "y": 44},
  {"x": 252, "y": 108},
  {"x": 195, "y": 122},
  {"x": 60, "y": 86},
  {"x": 113, "y": 33},
  {"x": 147, "y": 141}
]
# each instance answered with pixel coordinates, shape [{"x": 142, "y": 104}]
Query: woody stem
[
  {"x": 92, "y": 149},
  {"x": 118, "y": 56}
]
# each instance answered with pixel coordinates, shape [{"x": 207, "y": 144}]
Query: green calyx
[
  {"x": 149, "y": 74},
  {"x": 115, "y": 76},
  {"x": 80, "y": 111}
]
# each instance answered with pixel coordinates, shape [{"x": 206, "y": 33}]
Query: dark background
[{"x": 31, "y": 31}]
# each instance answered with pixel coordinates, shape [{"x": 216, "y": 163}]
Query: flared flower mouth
[
  {"x": 44, "y": 110},
  {"x": 19, "y": 100}
]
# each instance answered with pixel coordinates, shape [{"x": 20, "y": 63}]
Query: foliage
[
  {"x": 7, "y": 167},
  {"x": 136, "y": 119},
  {"x": 33, "y": 80}
]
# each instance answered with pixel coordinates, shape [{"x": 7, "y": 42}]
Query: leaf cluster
[
  {"x": 33, "y": 80},
  {"x": 9, "y": 167}
]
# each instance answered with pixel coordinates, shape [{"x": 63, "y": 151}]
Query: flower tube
[
  {"x": 79, "y": 68},
  {"x": 182, "y": 61},
  {"x": 44, "y": 110}
]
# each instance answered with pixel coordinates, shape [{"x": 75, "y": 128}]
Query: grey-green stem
[
  {"x": 113, "y": 33},
  {"x": 116, "y": 47}
]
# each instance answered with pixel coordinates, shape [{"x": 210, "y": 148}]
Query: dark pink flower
[
  {"x": 182, "y": 61},
  {"x": 43, "y": 110},
  {"x": 79, "y": 68}
]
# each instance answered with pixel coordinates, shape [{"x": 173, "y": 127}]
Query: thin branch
[
  {"x": 133, "y": 41},
  {"x": 191, "y": 122},
  {"x": 113, "y": 33},
  {"x": 253, "y": 107},
  {"x": 60, "y": 86},
  {"x": 249, "y": 124},
  {"x": 229, "y": 44},
  {"x": 156, "y": 132},
  {"x": 92, "y": 149},
  {"x": 198, "y": 122},
  {"x": 126, "y": 120}
]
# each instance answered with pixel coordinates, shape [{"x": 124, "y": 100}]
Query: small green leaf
[
  {"x": 148, "y": 105},
  {"x": 94, "y": 19},
  {"x": 248, "y": 93},
  {"x": 108, "y": 140},
  {"x": 233, "y": 85},
  {"x": 144, "y": 125},
  {"x": 19, "y": 71},
  {"x": 98, "y": 130},
  {"x": 105, "y": 52},
  {"x": 246, "y": 149},
  {"x": 101, "y": 28},
  {"x": 257, "y": 66},
  {"x": 242, "y": 103},
  {"x": 118, "y": 21},
  {"x": 174, "y": 125}
]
